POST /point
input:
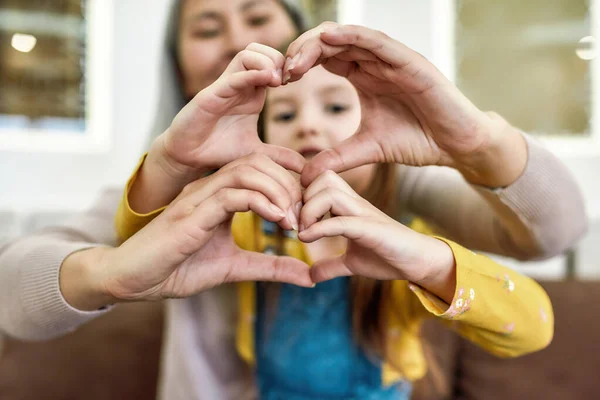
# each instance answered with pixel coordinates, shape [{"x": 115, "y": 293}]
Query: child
[{"x": 356, "y": 336}]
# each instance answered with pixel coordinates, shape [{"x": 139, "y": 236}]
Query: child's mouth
[{"x": 309, "y": 153}]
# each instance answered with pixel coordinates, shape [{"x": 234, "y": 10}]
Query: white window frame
[{"x": 97, "y": 136}]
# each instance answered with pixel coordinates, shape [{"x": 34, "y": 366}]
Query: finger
[
  {"x": 327, "y": 179},
  {"x": 253, "y": 266},
  {"x": 307, "y": 51},
  {"x": 325, "y": 270},
  {"x": 376, "y": 42},
  {"x": 287, "y": 158},
  {"x": 269, "y": 163},
  {"x": 356, "y": 54},
  {"x": 339, "y": 67},
  {"x": 312, "y": 53},
  {"x": 352, "y": 228},
  {"x": 355, "y": 151},
  {"x": 332, "y": 200},
  {"x": 248, "y": 60},
  {"x": 276, "y": 57},
  {"x": 242, "y": 176},
  {"x": 224, "y": 203},
  {"x": 247, "y": 79}
]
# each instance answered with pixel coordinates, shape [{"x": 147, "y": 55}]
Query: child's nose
[{"x": 307, "y": 124}]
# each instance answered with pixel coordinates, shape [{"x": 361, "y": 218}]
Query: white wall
[{"x": 58, "y": 181}]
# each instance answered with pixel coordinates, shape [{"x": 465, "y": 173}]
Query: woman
[{"x": 526, "y": 219}]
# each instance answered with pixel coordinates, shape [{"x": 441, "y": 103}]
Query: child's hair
[{"x": 367, "y": 295}]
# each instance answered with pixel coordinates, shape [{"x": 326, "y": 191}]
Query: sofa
[{"x": 117, "y": 356}]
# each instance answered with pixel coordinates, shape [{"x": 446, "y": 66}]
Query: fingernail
[
  {"x": 313, "y": 285},
  {"x": 277, "y": 210},
  {"x": 294, "y": 61},
  {"x": 293, "y": 219},
  {"x": 298, "y": 208},
  {"x": 277, "y": 74},
  {"x": 286, "y": 77}
]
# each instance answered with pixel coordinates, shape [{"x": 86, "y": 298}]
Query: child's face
[{"x": 315, "y": 113}]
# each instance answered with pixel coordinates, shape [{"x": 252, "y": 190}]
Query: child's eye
[
  {"x": 206, "y": 33},
  {"x": 335, "y": 108},
  {"x": 259, "y": 20},
  {"x": 284, "y": 116}
]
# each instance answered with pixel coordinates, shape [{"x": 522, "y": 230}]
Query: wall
[{"x": 54, "y": 180}]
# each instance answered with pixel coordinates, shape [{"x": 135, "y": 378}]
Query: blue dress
[{"x": 305, "y": 348}]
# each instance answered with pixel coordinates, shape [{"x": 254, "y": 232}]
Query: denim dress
[{"x": 305, "y": 347}]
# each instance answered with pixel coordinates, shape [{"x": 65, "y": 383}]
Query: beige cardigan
[{"x": 540, "y": 215}]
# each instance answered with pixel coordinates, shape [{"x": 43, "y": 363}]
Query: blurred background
[
  {"x": 78, "y": 89},
  {"x": 79, "y": 78}
]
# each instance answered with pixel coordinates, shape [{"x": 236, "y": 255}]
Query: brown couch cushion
[
  {"x": 567, "y": 369},
  {"x": 441, "y": 347},
  {"x": 113, "y": 357}
]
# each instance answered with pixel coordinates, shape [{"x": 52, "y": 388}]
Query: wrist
[
  {"x": 159, "y": 180},
  {"x": 439, "y": 270},
  {"x": 162, "y": 163},
  {"x": 81, "y": 279},
  {"x": 501, "y": 161}
]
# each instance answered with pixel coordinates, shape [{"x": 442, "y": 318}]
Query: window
[
  {"x": 55, "y": 74},
  {"x": 529, "y": 61}
]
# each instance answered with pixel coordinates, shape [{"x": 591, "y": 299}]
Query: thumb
[
  {"x": 353, "y": 152},
  {"x": 253, "y": 266},
  {"x": 331, "y": 268}
]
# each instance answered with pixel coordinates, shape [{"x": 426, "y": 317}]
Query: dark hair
[{"x": 295, "y": 15}]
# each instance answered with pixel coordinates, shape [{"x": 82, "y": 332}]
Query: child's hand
[
  {"x": 378, "y": 246},
  {"x": 219, "y": 125},
  {"x": 189, "y": 247},
  {"x": 411, "y": 114}
]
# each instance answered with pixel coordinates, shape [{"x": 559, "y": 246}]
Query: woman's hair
[{"x": 171, "y": 98}]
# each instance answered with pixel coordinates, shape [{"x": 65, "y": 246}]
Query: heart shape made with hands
[{"x": 410, "y": 113}]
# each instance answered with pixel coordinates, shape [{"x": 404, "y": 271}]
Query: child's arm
[
  {"x": 497, "y": 308},
  {"x": 218, "y": 126},
  {"x": 503, "y": 311}
]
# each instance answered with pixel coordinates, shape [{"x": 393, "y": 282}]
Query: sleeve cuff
[
  {"x": 463, "y": 295},
  {"x": 525, "y": 196},
  {"x": 127, "y": 221},
  {"x": 41, "y": 299}
]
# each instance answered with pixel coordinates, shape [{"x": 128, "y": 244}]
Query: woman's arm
[
  {"x": 33, "y": 306},
  {"x": 539, "y": 215}
]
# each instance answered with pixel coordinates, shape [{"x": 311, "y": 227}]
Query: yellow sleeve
[
  {"x": 127, "y": 221},
  {"x": 495, "y": 307}
]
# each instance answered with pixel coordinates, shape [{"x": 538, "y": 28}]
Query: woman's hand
[
  {"x": 411, "y": 114},
  {"x": 217, "y": 126},
  {"x": 189, "y": 247},
  {"x": 378, "y": 246}
]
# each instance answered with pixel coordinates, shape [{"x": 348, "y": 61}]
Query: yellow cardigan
[{"x": 502, "y": 311}]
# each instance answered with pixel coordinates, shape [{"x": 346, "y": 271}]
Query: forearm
[
  {"x": 81, "y": 280},
  {"x": 539, "y": 215},
  {"x": 159, "y": 180},
  {"x": 500, "y": 161},
  {"x": 33, "y": 307}
]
